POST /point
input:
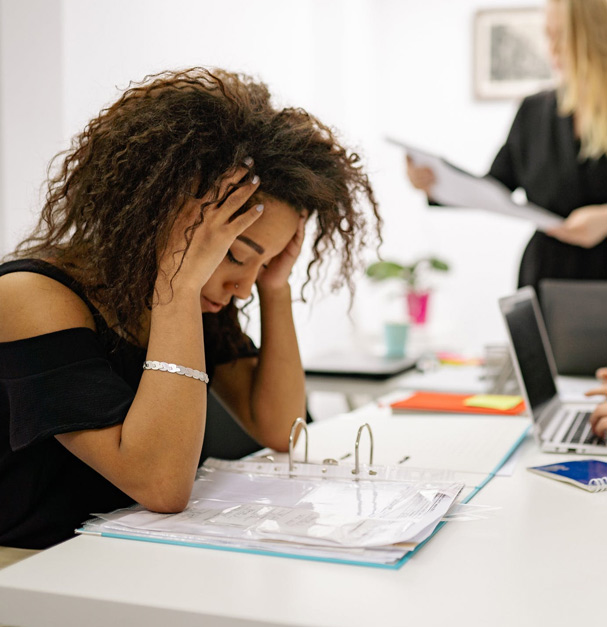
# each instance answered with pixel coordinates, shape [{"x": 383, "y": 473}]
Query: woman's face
[
  {"x": 266, "y": 238},
  {"x": 555, "y": 22}
]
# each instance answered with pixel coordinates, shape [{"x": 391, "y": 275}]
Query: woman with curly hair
[{"x": 167, "y": 209}]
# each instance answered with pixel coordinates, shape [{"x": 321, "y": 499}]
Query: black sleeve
[
  {"x": 58, "y": 383},
  {"x": 224, "y": 339},
  {"x": 506, "y": 163}
]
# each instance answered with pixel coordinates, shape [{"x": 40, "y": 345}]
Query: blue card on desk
[{"x": 589, "y": 474}]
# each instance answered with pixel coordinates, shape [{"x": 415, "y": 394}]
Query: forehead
[{"x": 276, "y": 226}]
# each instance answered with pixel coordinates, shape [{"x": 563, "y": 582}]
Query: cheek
[{"x": 216, "y": 279}]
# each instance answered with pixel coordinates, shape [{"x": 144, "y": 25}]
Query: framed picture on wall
[{"x": 510, "y": 53}]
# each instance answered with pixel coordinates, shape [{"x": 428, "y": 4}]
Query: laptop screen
[{"x": 524, "y": 328}]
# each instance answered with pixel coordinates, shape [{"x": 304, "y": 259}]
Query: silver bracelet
[{"x": 175, "y": 369}]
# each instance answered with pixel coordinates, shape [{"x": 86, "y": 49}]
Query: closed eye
[{"x": 233, "y": 259}]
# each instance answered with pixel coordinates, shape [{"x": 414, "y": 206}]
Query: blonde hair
[{"x": 584, "y": 90}]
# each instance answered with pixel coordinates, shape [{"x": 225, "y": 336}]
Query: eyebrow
[{"x": 254, "y": 245}]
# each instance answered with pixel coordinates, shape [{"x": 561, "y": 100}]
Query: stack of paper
[{"x": 316, "y": 510}]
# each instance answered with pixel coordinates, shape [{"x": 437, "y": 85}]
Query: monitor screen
[{"x": 524, "y": 328}]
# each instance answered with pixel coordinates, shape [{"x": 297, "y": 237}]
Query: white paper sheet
[{"x": 458, "y": 188}]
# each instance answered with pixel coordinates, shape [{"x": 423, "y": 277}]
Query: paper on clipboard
[{"x": 458, "y": 188}]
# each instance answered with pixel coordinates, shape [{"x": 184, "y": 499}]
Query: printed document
[{"x": 458, "y": 188}]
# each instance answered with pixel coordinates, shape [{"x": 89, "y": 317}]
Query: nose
[
  {"x": 241, "y": 291},
  {"x": 242, "y": 285}
]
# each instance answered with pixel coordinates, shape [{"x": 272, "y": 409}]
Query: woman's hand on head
[
  {"x": 586, "y": 227},
  {"x": 276, "y": 274},
  {"x": 211, "y": 238}
]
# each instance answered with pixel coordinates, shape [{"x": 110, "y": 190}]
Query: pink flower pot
[{"x": 417, "y": 304}]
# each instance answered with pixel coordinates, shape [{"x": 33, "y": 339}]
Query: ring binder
[
  {"x": 356, "y": 469},
  {"x": 302, "y": 422},
  {"x": 329, "y": 461},
  {"x": 357, "y": 514}
]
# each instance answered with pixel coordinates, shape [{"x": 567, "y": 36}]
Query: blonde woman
[{"x": 556, "y": 148}]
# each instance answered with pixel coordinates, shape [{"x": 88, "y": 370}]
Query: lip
[{"x": 212, "y": 306}]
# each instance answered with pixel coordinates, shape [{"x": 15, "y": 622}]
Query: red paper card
[{"x": 440, "y": 402}]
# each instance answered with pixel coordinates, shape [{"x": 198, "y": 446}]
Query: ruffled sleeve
[{"x": 58, "y": 383}]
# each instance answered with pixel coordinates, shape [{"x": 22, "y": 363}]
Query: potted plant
[{"x": 416, "y": 294}]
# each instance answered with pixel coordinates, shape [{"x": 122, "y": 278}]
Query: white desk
[
  {"x": 358, "y": 391},
  {"x": 445, "y": 378},
  {"x": 540, "y": 559}
]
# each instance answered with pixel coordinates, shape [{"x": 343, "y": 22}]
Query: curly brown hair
[{"x": 117, "y": 191}]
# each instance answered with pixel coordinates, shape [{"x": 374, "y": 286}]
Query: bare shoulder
[{"x": 33, "y": 304}]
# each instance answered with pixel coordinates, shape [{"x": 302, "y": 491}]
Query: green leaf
[
  {"x": 381, "y": 270},
  {"x": 439, "y": 264}
]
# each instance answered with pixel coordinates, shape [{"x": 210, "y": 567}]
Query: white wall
[
  {"x": 31, "y": 109},
  {"x": 369, "y": 67}
]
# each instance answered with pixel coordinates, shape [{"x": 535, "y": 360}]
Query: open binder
[{"x": 360, "y": 513}]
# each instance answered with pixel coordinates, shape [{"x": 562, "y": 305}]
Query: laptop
[
  {"x": 358, "y": 365},
  {"x": 574, "y": 312},
  {"x": 558, "y": 427}
]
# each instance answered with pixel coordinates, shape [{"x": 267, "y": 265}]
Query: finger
[
  {"x": 599, "y": 413},
  {"x": 601, "y": 374},
  {"x": 229, "y": 180},
  {"x": 244, "y": 220},
  {"x": 238, "y": 194},
  {"x": 596, "y": 391},
  {"x": 299, "y": 236},
  {"x": 601, "y": 428}
]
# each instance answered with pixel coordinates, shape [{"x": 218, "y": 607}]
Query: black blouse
[
  {"x": 541, "y": 155},
  {"x": 61, "y": 382}
]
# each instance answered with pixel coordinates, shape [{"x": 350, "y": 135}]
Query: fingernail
[
  {"x": 255, "y": 180},
  {"x": 248, "y": 161},
  {"x": 259, "y": 208}
]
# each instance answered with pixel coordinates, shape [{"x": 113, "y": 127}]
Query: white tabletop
[{"x": 540, "y": 558}]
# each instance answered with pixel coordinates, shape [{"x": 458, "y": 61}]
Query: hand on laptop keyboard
[{"x": 598, "y": 420}]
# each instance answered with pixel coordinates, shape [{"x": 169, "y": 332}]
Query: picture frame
[{"x": 510, "y": 53}]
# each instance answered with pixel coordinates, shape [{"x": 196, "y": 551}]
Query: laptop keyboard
[{"x": 580, "y": 431}]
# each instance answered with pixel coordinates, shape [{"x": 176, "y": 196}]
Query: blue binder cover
[{"x": 588, "y": 474}]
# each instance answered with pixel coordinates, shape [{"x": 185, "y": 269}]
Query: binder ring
[
  {"x": 356, "y": 446},
  {"x": 302, "y": 422}
]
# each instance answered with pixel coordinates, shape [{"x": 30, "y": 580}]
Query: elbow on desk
[
  {"x": 278, "y": 442},
  {"x": 165, "y": 496},
  {"x": 164, "y": 503}
]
